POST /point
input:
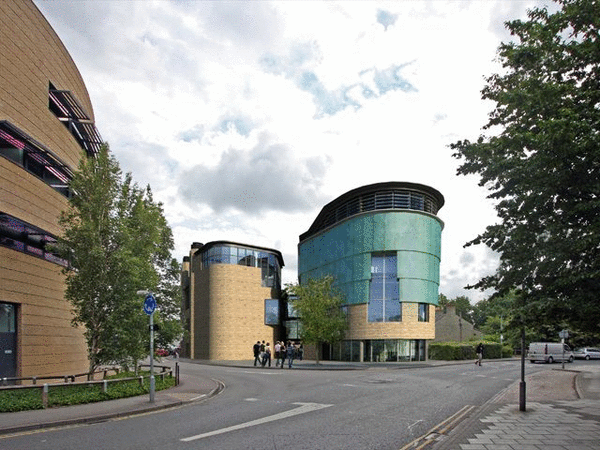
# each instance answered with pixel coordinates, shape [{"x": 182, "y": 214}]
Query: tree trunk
[{"x": 317, "y": 351}]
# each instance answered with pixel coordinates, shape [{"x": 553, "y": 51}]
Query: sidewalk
[
  {"x": 191, "y": 388},
  {"x": 562, "y": 412}
]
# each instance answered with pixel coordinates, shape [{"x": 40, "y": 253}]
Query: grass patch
[{"x": 28, "y": 399}]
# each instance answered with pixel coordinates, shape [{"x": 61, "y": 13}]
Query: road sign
[{"x": 149, "y": 304}]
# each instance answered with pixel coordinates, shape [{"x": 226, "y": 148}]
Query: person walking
[
  {"x": 282, "y": 352},
  {"x": 290, "y": 354},
  {"x": 267, "y": 355},
  {"x": 256, "y": 349},
  {"x": 479, "y": 352},
  {"x": 277, "y": 354}
]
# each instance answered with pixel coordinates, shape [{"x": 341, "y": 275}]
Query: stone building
[
  {"x": 231, "y": 299},
  {"x": 449, "y": 326},
  {"x": 46, "y": 127}
]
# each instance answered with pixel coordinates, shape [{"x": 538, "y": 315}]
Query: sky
[{"x": 247, "y": 117}]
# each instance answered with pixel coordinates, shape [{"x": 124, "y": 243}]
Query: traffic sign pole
[
  {"x": 149, "y": 307},
  {"x": 152, "y": 383}
]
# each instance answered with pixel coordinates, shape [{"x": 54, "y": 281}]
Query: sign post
[
  {"x": 564, "y": 334},
  {"x": 149, "y": 307}
]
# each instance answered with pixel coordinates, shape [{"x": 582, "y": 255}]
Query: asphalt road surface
[{"x": 376, "y": 408}]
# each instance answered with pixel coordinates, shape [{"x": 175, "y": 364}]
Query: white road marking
[
  {"x": 262, "y": 373},
  {"x": 302, "y": 409}
]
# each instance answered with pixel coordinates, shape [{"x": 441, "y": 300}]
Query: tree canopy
[
  {"x": 319, "y": 307},
  {"x": 117, "y": 241},
  {"x": 539, "y": 157}
]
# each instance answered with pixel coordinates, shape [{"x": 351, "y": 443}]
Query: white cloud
[{"x": 247, "y": 117}]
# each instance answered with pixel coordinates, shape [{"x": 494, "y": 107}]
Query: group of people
[{"x": 283, "y": 351}]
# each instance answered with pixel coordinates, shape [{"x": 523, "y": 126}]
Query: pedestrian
[
  {"x": 267, "y": 354},
  {"x": 479, "y": 352},
  {"x": 301, "y": 352},
  {"x": 256, "y": 349},
  {"x": 282, "y": 351},
  {"x": 277, "y": 354},
  {"x": 290, "y": 354}
]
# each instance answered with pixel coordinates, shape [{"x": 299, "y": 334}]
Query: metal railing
[{"x": 69, "y": 380}]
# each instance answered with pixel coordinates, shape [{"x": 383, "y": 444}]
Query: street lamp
[{"x": 149, "y": 307}]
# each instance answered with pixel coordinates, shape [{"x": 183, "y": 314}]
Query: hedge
[{"x": 452, "y": 351}]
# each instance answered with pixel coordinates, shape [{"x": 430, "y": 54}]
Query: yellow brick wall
[
  {"x": 47, "y": 343},
  {"x": 410, "y": 327},
  {"x": 229, "y": 312}
]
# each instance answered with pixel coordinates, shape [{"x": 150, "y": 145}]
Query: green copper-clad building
[{"x": 382, "y": 244}]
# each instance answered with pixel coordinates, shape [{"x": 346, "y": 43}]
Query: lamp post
[{"x": 149, "y": 307}]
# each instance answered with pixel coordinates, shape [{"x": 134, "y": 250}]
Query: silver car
[{"x": 587, "y": 353}]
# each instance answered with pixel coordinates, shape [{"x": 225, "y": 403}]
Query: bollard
[
  {"x": 45, "y": 395},
  {"x": 177, "y": 374},
  {"x": 105, "y": 386},
  {"x": 141, "y": 381}
]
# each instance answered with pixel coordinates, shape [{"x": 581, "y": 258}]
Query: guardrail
[{"x": 44, "y": 388}]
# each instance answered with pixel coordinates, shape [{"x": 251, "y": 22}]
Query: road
[{"x": 376, "y": 408}]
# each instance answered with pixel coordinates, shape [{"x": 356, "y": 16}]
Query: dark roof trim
[
  {"x": 208, "y": 245},
  {"x": 324, "y": 219}
]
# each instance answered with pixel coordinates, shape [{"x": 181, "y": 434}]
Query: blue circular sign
[{"x": 149, "y": 304}]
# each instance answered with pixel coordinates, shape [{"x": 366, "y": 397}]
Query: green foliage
[
  {"x": 456, "y": 351},
  {"x": 451, "y": 351},
  {"x": 118, "y": 242},
  {"x": 65, "y": 395},
  {"x": 319, "y": 307},
  {"x": 541, "y": 163}
]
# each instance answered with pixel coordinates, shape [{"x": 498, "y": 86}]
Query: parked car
[
  {"x": 549, "y": 352},
  {"x": 587, "y": 353}
]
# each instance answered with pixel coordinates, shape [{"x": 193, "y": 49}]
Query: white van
[{"x": 549, "y": 352}]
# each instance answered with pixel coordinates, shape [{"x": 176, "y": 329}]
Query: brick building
[
  {"x": 231, "y": 299},
  {"x": 46, "y": 127},
  {"x": 449, "y": 326}
]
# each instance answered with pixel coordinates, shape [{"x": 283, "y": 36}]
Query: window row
[
  {"x": 21, "y": 149},
  {"x": 228, "y": 254},
  {"x": 25, "y": 238},
  {"x": 376, "y": 350},
  {"x": 391, "y": 311}
]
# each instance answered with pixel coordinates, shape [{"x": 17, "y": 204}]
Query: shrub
[{"x": 454, "y": 351}]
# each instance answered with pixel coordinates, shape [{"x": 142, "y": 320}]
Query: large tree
[
  {"x": 540, "y": 159},
  {"x": 319, "y": 307},
  {"x": 117, "y": 241}
]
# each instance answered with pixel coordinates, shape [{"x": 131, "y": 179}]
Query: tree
[
  {"x": 541, "y": 163},
  {"x": 319, "y": 307},
  {"x": 117, "y": 241}
]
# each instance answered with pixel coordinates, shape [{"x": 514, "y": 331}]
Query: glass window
[
  {"x": 423, "y": 312},
  {"x": 7, "y": 318},
  {"x": 384, "y": 304}
]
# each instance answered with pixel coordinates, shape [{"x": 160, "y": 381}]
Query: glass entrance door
[{"x": 8, "y": 340}]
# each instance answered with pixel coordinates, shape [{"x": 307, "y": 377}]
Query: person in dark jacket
[
  {"x": 479, "y": 352},
  {"x": 256, "y": 349}
]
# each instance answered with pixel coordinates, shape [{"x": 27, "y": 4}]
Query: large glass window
[{"x": 384, "y": 298}]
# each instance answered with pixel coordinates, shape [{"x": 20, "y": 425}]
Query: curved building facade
[
  {"x": 382, "y": 245},
  {"x": 231, "y": 299},
  {"x": 46, "y": 127}
]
